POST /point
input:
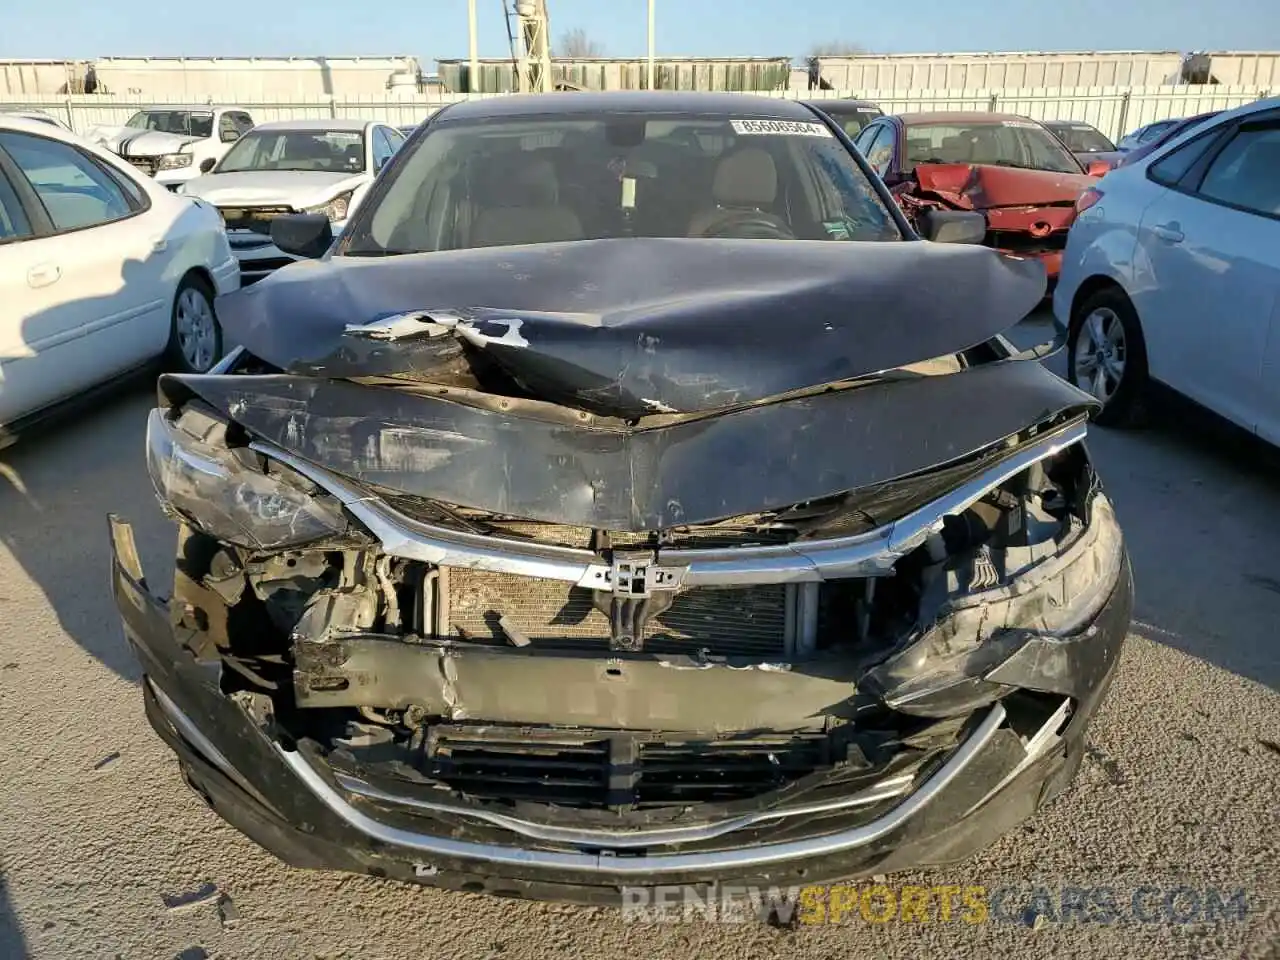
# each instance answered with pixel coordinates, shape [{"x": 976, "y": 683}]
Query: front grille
[
  {"x": 723, "y": 621},
  {"x": 603, "y": 770},
  {"x": 147, "y": 165},
  {"x": 257, "y": 219},
  {"x": 251, "y": 271},
  {"x": 1018, "y": 242}
]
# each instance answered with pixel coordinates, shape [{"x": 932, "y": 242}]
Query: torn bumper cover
[
  {"x": 549, "y": 604},
  {"x": 288, "y": 799}
]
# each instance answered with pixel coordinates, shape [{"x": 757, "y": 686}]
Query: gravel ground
[{"x": 98, "y": 835}]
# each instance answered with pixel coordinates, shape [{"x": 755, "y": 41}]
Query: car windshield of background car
[
  {"x": 529, "y": 180},
  {"x": 185, "y": 123},
  {"x": 1084, "y": 139},
  {"x": 1011, "y": 144},
  {"x": 327, "y": 151}
]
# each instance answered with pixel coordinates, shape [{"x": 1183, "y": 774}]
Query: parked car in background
[
  {"x": 173, "y": 143},
  {"x": 526, "y": 545},
  {"x": 1087, "y": 142},
  {"x": 1178, "y": 128},
  {"x": 38, "y": 115},
  {"x": 850, "y": 115},
  {"x": 293, "y": 166},
  {"x": 1008, "y": 167},
  {"x": 101, "y": 271},
  {"x": 1145, "y": 134},
  {"x": 1172, "y": 275}
]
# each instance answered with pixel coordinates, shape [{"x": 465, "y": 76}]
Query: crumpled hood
[
  {"x": 132, "y": 142},
  {"x": 981, "y": 187},
  {"x": 291, "y": 188},
  {"x": 629, "y": 327}
]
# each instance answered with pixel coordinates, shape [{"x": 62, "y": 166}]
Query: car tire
[
  {"x": 1107, "y": 357},
  {"x": 195, "y": 336}
]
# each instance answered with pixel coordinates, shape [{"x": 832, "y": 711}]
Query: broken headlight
[
  {"x": 233, "y": 494},
  {"x": 1058, "y": 589}
]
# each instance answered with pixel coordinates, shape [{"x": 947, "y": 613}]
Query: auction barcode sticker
[{"x": 786, "y": 128}]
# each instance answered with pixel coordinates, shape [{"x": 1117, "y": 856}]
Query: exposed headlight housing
[
  {"x": 174, "y": 161},
  {"x": 1058, "y": 589},
  {"x": 233, "y": 494},
  {"x": 336, "y": 209}
]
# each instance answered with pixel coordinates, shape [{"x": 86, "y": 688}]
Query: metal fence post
[
  {"x": 1122, "y": 120},
  {"x": 994, "y": 103},
  {"x": 71, "y": 121},
  {"x": 333, "y": 107}
]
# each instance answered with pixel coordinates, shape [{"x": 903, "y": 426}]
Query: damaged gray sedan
[{"x": 628, "y": 497}]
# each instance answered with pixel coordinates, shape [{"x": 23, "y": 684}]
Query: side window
[
  {"x": 13, "y": 219},
  {"x": 880, "y": 153},
  {"x": 243, "y": 122},
  {"x": 395, "y": 136},
  {"x": 1246, "y": 172},
  {"x": 382, "y": 148},
  {"x": 1171, "y": 168},
  {"x": 863, "y": 140},
  {"x": 1153, "y": 131},
  {"x": 75, "y": 191}
]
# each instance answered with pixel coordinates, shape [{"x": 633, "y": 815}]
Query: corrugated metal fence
[{"x": 1113, "y": 110}]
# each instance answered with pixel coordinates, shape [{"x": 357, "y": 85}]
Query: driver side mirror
[
  {"x": 207, "y": 164},
  {"x": 306, "y": 235},
  {"x": 1098, "y": 168},
  {"x": 953, "y": 226},
  {"x": 229, "y": 136}
]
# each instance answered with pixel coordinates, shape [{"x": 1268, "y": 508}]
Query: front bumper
[
  {"x": 296, "y": 808},
  {"x": 174, "y": 178},
  {"x": 258, "y": 256}
]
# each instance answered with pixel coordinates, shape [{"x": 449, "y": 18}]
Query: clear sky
[{"x": 438, "y": 28}]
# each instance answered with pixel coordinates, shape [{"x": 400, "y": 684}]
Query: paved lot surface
[{"x": 1181, "y": 788}]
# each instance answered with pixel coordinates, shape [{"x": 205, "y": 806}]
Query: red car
[{"x": 1010, "y": 168}]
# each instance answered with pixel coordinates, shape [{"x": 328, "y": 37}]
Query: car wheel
[
  {"x": 195, "y": 338},
  {"x": 1107, "y": 357}
]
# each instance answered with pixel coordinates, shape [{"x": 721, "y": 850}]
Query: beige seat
[
  {"x": 521, "y": 204},
  {"x": 746, "y": 181}
]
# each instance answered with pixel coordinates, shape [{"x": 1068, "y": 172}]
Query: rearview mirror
[
  {"x": 230, "y": 136},
  {"x": 953, "y": 226},
  {"x": 207, "y": 164},
  {"x": 302, "y": 234},
  {"x": 1098, "y": 168}
]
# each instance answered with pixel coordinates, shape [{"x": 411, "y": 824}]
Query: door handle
[
  {"x": 1169, "y": 232},
  {"x": 43, "y": 274},
  {"x": 159, "y": 244}
]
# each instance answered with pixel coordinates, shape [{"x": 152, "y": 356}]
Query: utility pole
[
  {"x": 473, "y": 73},
  {"x": 535, "y": 48},
  {"x": 651, "y": 21}
]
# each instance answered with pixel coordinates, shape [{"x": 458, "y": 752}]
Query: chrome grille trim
[{"x": 864, "y": 555}]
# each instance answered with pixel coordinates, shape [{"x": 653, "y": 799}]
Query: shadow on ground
[
  {"x": 13, "y": 944},
  {"x": 56, "y": 488}
]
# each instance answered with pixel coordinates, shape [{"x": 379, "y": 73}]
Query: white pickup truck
[{"x": 175, "y": 144}]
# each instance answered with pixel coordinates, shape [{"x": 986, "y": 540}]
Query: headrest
[
  {"x": 517, "y": 180},
  {"x": 746, "y": 178}
]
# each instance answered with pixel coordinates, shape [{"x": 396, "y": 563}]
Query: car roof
[
  {"x": 628, "y": 101},
  {"x": 1073, "y": 124},
  {"x": 311, "y": 124},
  {"x": 16, "y": 121},
  {"x": 838, "y": 102},
  {"x": 971, "y": 117},
  {"x": 186, "y": 108}
]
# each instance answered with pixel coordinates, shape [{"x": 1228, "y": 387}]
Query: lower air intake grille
[
  {"x": 731, "y": 622},
  {"x": 611, "y": 770}
]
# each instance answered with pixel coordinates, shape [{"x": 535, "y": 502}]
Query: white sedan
[
  {"x": 102, "y": 271},
  {"x": 1172, "y": 275},
  {"x": 292, "y": 166}
]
